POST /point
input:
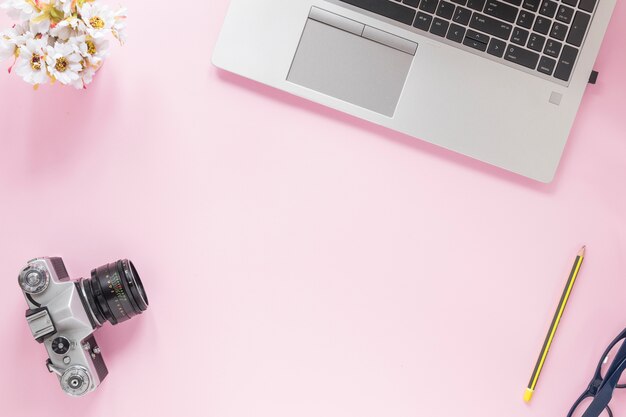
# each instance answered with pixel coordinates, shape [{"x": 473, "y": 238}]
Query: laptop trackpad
[{"x": 354, "y": 63}]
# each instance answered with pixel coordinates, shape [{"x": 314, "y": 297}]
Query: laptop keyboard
[{"x": 541, "y": 35}]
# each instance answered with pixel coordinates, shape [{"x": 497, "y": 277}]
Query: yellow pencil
[{"x": 555, "y": 323}]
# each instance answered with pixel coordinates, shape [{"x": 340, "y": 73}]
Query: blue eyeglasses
[{"x": 594, "y": 402}]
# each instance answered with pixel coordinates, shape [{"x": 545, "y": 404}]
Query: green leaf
[{"x": 56, "y": 15}]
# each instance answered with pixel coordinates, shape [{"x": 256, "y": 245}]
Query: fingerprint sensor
[{"x": 555, "y": 98}]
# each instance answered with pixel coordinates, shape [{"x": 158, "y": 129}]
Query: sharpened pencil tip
[{"x": 582, "y": 251}]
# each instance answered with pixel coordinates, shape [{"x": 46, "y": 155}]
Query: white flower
[
  {"x": 98, "y": 19},
  {"x": 68, "y": 28},
  {"x": 62, "y": 40},
  {"x": 20, "y": 9},
  {"x": 7, "y": 48},
  {"x": 32, "y": 64},
  {"x": 94, "y": 50},
  {"x": 65, "y": 6},
  {"x": 86, "y": 77},
  {"x": 119, "y": 27},
  {"x": 63, "y": 62},
  {"x": 10, "y": 42},
  {"x": 39, "y": 25}
]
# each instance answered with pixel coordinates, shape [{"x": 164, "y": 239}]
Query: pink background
[{"x": 301, "y": 262}]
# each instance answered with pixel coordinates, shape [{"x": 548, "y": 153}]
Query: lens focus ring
[{"x": 115, "y": 292}]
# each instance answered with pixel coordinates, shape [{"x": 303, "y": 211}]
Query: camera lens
[{"x": 115, "y": 292}]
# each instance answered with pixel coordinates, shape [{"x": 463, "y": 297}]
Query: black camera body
[{"x": 63, "y": 315}]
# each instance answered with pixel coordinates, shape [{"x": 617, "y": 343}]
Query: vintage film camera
[{"x": 64, "y": 314}]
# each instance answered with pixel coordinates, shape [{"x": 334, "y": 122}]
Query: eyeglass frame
[{"x": 601, "y": 389}]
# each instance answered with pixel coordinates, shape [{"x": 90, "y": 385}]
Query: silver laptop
[{"x": 497, "y": 80}]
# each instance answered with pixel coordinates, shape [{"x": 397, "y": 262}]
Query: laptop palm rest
[{"x": 352, "y": 62}]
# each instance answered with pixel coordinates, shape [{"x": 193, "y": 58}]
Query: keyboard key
[
  {"x": 386, "y": 8},
  {"x": 565, "y": 14},
  {"x": 525, "y": 19},
  {"x": 496, "y": 47},
  {"x": 501, "y": 10},
  {"x": 570, "y": 2},
  {"x": 461, "y": 2},
  {"x": 476, "y": 4},
  {"x": 536, "y": 42},
  {"x": 532, "y": 5},
  {"x": 456, "y": 33},
  {"x": 553, "y": 48},
  {"x": 515, "y": 2},
  {"x": 542, "y": 25},
  {"x": 462, "y": 16},
  {"x": 587, "y": 5},
  {"x": 520, "y": 36},
  {"x": 477, "y": 36},
  {"x": 548, "y": 8},
  {"x": 445, "y": 9},
  {"x": 579, "y": 29},
  {"x": 412, "y": 3},
  {"x": 521, "y": 56},
  {"x": 423, "y": 21},
  {"x": 472, "y": 43},
  {"x": 428, "y": 5},
  {"x": 566, "y": 63},
  {"x": 559, "y": 31},
  {"x": 439, "y": 27},
  {"x": 546, "y": 65},
  {"x": 491, "y": 26}
]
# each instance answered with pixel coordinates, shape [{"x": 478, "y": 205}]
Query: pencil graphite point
[{"x": 582, "y": 251}]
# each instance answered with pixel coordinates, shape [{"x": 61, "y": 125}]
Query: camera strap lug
[{"x": 53, "y": 369}]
